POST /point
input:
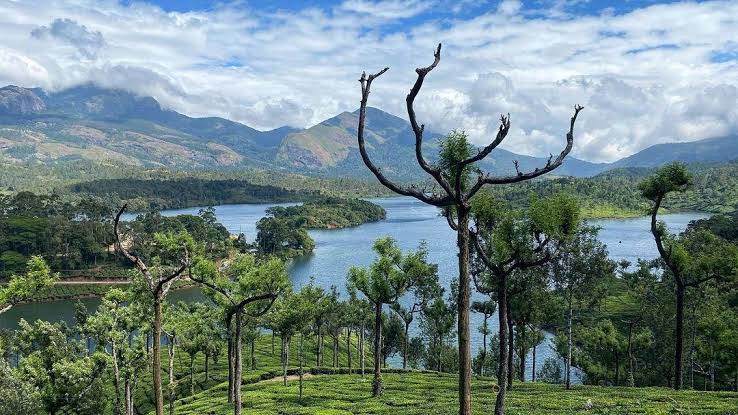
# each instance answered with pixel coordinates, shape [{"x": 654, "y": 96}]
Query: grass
[
  {"x": 268, "y": 366},
  {"x": 418, "y": 393},
  {"x": 413, "y": 393}
]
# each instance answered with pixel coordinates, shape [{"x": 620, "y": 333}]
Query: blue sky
[
  {"x": 576, "y": 7},
  {"x": 647, "y": 72}
]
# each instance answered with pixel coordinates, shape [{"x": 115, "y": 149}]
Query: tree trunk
[
  {"x": 335, "y": 351},
  {"x": 362, "y": 352},
  {"x": 272, "y": 342},
  {"x": 679, "y": 336},
  {"x": 171, "y": 345},
  {"x": 129, "y": 396},
  {"x": 533, "y": 372},
  {"x": 192, "y": 375},
  {"x": 207, "y": 367},
  {"x": 692, "y": 347},
  {"x": 463, "y": 312},
  {"x": 439, "y": 350},
  {"x": 348, "y": 348},
  {"x": 156, "y": 356},
  {"x": 231, "y": 365},
  {"x": 318, "y": 348},
  {"x": 502, "y": 361},
  {"x": 404, "y": 347},
  {"x": 116, "y": 378},
  {"x": 569, "y": 319},
  {"x": 377, "y": 383},
  {"x": 286, "y": 358},
  {"x": 617, "y": 367},
  {"x": 631, "y": 375},
  {"x": 301, "y": 364},
  {"x": 510, "y": 349},
  {"x": 253, "y": 354},
  {"x": 484, "y": 348},
  {"x": 523, "y": 353},
  {"x": 237, "y": 370}
]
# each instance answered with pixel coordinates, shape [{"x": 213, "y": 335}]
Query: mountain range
[{"x": 115, "y": 126}]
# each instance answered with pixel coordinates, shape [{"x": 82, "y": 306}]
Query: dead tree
[
  {"x": 158, "y": 286},
  {"x": 454, "y": 198}
]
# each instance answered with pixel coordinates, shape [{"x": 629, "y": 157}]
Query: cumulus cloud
[
  {"x": 387, "y": 9},
  {"x": 87, "y": 42},
  {"x": 647, "y": 76}
]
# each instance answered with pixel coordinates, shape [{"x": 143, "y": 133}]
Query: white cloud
[
  {"x": 387, "y": 9},
  {"x": 509, "y": 7},
  {"x": 645, "y": 77},
  {"x": 69, "y": 31}
]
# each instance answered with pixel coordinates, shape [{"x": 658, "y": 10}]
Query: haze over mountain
[{"x": 105, "y": 125}]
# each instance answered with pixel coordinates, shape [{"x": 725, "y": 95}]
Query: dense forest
[
  {"x": 283, "y": 231},
  {"x": 75, "y": 237},
  {"x": 178, "y": 193},
  {"x": 612, "y": 194}
]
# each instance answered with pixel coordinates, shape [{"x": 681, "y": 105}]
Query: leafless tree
[{"x": 454, "y": 198}]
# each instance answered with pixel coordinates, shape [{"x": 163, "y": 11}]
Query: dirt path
[{"x": 289, "y": 378}]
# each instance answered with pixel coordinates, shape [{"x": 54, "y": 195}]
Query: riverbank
[{"x": 77, "y": 290}]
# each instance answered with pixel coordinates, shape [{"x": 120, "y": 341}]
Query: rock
[{"x": 15, "y": 100}]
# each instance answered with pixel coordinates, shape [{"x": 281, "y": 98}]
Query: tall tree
[
  {"x": 289, "y": 318},
  {"x": 452, "y": 191},
  {"x": 115, "y": 325},
  {"x": 507, "y": 240},
  {"x": 696, "y": 257},
  {"x": 386, "y": 280},
  {"x": 423, "y": 291},
  {"x": 577, "y": 274},
  {"x": 175, "y": 249},
  {"x": 247, "y": 288}
]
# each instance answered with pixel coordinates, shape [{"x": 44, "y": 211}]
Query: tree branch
[
  {"x": 366, "y": 82},
  {"x": 519, "y": 177},
  {"x": 137, "y": 262},
  {"x": 501, "y": 134},
  {"x": 419, "y": 129}
]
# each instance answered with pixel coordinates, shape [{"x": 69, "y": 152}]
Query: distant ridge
[{"x": 105, "y": 125}]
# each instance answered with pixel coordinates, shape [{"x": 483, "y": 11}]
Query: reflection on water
[{"x": 409, "y": 222}]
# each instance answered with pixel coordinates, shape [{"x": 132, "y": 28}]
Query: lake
[{"x": 409, "y": 222}]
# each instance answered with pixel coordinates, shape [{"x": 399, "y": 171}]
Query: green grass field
[
  {"x": 430, "y": 393},
  {"x": 414, "y": 393}
]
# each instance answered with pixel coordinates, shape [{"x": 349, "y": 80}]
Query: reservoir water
[{"x": 409, "y": 222}]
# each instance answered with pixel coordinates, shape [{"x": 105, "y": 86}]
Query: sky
[{"x": 647, "y": 72}]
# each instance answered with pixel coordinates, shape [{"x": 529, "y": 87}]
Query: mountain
[
  {"x": 15, "y": 100},
  {"x": 708, "y": 150},
  {"x": 115, "y": 126}
]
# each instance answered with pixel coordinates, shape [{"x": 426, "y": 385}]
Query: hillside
[
  {"x": 709, "y": 150},
  {"x": 615, "y": 193},
  {"x": 115, "y": 127}
]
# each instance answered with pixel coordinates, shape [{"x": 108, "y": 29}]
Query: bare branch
[
  {"x": 366, "y": 82},
  {"x": 453, "y": 225},
  {"x": 418, "y": 129},
  {"x": 501, "y": 134},
  {"x": 137, "y": 262},
  {"x": 550, "y": 166}
]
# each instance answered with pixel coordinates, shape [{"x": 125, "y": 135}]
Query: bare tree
[
  {"x": 158, "y": 285},
  {"x": 451, "y": 193}
]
